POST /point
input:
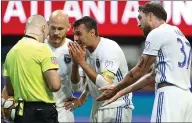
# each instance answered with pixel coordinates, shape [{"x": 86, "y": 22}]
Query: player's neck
[
  {"x": 158, "y": 23},
  {"x": 94, "y": 45}
]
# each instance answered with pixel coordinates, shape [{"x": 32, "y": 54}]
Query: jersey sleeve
[
  {"x": 48, "y": 59},
  {"x": 109, "y": 66},
  {"x": 153, "y": 43}
]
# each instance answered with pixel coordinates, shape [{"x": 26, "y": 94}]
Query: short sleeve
[
  {"x": 108, "y": 68},
  {"x": 153, "y": 43},
  {"x": 110, "y": 63},
  {"x": 48, "y": 59}
]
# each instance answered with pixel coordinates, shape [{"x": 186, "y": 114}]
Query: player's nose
[
  {"x": 139, "y": 25},
  {"x": 56, "y": 32}
]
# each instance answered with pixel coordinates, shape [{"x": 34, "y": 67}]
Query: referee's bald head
[
  {"x": 37, "y": 25},
  {"x": 35, "y": 21}
]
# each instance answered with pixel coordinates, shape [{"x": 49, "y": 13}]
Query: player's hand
[
  {"x": 72, "y": 103},
  {"x": 77, "y": 52},
  {"x": 108, "y": 92},
  {"x": 114, "y": 98}
]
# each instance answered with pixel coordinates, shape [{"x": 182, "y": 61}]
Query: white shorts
[
  {"x": 65, "y": 115},
  {"x": 119, "y": 114},
  {"x": 172, "y": 104}
]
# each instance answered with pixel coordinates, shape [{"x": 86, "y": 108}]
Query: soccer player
[
  {"x": 168, "y": 48},
  {"x": 105, "y": 64},
  {"x": 30, "y": 73},
  {"x": 58, "y": 27}
]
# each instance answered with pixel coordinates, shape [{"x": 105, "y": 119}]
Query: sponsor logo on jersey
[
  {"x": 67, "y": 58},
  {"x": 97, "y": 63}
]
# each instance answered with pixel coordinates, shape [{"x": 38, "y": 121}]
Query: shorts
[
  {"x": 172, "y": 104},
  {"x": 119, "y": 114},
  {"x": 65, "y": 115}
]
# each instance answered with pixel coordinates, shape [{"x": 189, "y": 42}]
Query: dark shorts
[{"x": 38, "y": 112}]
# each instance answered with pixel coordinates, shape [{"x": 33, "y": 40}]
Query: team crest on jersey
[
  {"x": 97, "y": 63},
  {"x": 67, "y": 58}
]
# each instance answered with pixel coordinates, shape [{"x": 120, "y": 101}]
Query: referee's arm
[
  {"x": 8, "y": 86},
  {"x": 53, "y": 79}
]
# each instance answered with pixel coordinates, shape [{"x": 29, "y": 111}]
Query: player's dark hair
[
  {"x": 89, "y": 23},
  {"x": 155, "y": 8}
]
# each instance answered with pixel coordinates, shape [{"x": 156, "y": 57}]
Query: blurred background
[{"x": 117, "y": 20}]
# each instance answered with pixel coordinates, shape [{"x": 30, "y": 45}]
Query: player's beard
[
  {"x": 146, "y": 30},
  {"x": 57, "y": 41}
]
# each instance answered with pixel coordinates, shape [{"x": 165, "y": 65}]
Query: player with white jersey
[
  {"x": 105, "y": 64},
  {"x": 168, "y": 48},
  {"x": 57, "y": 41},
  {"x": 173, "y": 67}
]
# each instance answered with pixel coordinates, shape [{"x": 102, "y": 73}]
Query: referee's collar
[{"x": 28, "y": 36}]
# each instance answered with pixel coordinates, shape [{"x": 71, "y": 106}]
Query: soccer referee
[{"x": 30, "y": 72}]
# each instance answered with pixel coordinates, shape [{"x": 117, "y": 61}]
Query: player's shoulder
[
  {"x": 109, "y": 46},
  {"x": 65, "y": 45},
  {"x": 159, "y": 32},
  {"x": 108, "y": 43}
]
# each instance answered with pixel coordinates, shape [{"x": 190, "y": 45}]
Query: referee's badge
[
  {"x": 97, "y": 63},
  {"x": 54, "y": 60},
  {"x": 67, "y": 58}
]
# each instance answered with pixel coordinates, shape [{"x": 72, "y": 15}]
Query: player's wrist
[
  {"x": 83, "y": 63},
  {"x": 116, "y": 89},
  {"x": 75, "y": 65},
  {"x": 80, "y": 102}
]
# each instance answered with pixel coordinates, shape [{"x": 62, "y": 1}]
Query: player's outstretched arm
[
  {"x": 142, "y": 67},
  {"x": 141, "y": 83}
]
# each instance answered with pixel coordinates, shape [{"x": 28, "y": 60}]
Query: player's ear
[
  {"x": 69, "y": 27},
  {"x": 92, "y": 31},
  {"x": 150, "y": 15}
]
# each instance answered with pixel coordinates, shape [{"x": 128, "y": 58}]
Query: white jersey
[
  {"x": 65, "y": 68},
  {"x": 108, "y": 55},
  {"x": 173, "y": 60}
]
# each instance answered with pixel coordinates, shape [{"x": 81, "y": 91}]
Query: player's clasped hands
[{"x": 77, "y": 52}]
